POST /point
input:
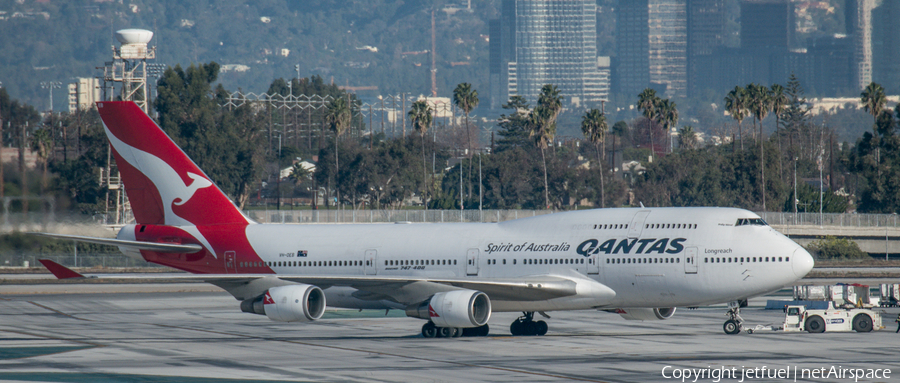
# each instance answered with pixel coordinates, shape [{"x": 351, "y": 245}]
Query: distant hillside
[{"x": 381, "y": 43}]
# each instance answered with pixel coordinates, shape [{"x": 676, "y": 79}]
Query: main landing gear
[
  {"x": 733, "y": 325},
  {"x": 429, "y": 330},
  {"x": 526, "y": 325}
]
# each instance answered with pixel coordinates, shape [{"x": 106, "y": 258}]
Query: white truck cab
[{"x": 799, "y": 318}]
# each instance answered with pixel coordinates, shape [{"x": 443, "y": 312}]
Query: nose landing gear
[{"x": 733, "y": 325}]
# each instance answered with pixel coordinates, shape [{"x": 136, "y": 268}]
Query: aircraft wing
[
  {"x": 404, "y": 290},
  {"x": 187, "y": 248}
]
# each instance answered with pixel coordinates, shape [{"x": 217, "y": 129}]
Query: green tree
[
  {"x": 648, "y": 104},
  {"x": 543, "y": 126},
  {"x": 873, "y": 99},
  {"x": 687, "y": 138},
  {"x": 223, "y": 142},
  {"x": 420, "y": 117},
  {"x": 667, "y": 115},
  {"x": 337, "y": 116},
  {"x": 42, "y": 146},
  {"x": 735, "y": 104},
  {"x": 594, "y": 126},
  {"x": 514, "y": 128},
  {"x": 466, "y": 99},
  {"x": 780, "y": 102},
  {"x": 759, "y": 102}
]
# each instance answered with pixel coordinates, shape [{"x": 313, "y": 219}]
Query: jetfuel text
[{"x": 631, "y": 246}]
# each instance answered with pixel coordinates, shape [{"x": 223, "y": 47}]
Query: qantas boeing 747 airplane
[{"x": 641, "y": 263}]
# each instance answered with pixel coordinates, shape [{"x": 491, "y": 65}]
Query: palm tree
[
  {"x": 337, "y": 116},
  {"x": 619, "y": 130},
  {"x": 299, "y": 173},
  {"x": 779, "y": 103},
  {"x": 542, "y": 126},
  {"x": 593, "y": 125},
  {"x": 873, "y": 99},
  {"x": 667, "y": 115},
  {"x": 420, "y": 117},
  {"x": 687, "y": 137},
  {"x": 736, "y": 105},
  {"x": 760, "y": 103},
  {"x": 42, "y": 145},
  {"x": 648, "y": 103},
  {"x": 466, "y": 98}
]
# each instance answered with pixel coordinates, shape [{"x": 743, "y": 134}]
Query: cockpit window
[{"x": 751, "y": 221}]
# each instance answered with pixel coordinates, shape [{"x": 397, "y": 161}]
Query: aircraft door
[
  {"x": 230, "y": 264},
  {"x": 593, "y": 265},
  {"x": 370, "y": 263},
  {"x": 691, "y": 264},
  {"x": 472, "y": 262},
  {"x": 637, "y": 224}
]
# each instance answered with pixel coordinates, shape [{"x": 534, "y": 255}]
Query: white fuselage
[{"x": 653, "y": 257}]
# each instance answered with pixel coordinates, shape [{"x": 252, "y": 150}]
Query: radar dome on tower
[
  {"x": 134, "y": 44},
  {"x": 134, "y": 36}
]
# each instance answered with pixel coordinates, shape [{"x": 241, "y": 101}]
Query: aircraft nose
[{"x": 801, "y": 262}]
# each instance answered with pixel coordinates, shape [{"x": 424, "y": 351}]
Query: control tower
[{"x": 129, "y": 67}]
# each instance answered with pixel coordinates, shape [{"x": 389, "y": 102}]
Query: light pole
[{"x": 51, "y": 85}]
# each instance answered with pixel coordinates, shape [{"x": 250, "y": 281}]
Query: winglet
[{"x": 59, "y": 271}]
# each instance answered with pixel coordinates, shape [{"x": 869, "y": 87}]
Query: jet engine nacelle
[
  {"x": 292, "y": 303},
  {"x": 458, "y": 308},
  {"x": 646, "y": 314}
]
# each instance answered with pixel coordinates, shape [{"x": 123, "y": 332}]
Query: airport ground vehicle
[{"x": 799, "y": 318}]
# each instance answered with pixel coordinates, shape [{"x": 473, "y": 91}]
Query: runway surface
[{"x": 172, "y": 336}]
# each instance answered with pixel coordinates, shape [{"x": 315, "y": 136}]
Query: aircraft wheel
[
  {"x": 862, "y": 323},
  {"x": 457, "y": 332},
  {"x": 484, "y": 330},
  {"x": 731, "y": 327},
  {"x": 540, "y": 328},
  {"x": 815, "y": 324},
  {"x": 429, "y": 330},
  {"x": 517, "y": 328},
  {"x": 446, "y": 332}
]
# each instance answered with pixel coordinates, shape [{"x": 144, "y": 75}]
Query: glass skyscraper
[{"x": 546, "y": 42}]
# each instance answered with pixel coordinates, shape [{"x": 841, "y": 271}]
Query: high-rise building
[
  {"x": 767, "y": 23},
  {"x": 859, "y": 26},
  {"x": 705, "y": 34},
  {"x": 83, "y": 94},
  {"x": 885, "y": 40},
  {"x": 546, "y": 42},
  {"x": 832, "y": 60},
  {"x": 651, "y": 46},
  {"x": 631, "y": 72}
]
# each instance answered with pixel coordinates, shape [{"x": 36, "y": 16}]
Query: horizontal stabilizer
[
  {"x": 187, "y": 248},
  {"x": 59, "y": 271}
]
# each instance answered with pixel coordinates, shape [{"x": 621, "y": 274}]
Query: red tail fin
[{"x": 163, "y": 185}]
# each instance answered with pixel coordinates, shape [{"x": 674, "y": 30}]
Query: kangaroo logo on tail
[{"x": 164, "y": 186}]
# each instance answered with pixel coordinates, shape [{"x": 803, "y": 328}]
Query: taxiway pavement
[{"x": 187, "y": 336}]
